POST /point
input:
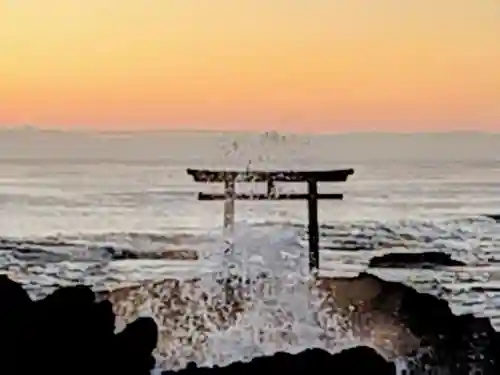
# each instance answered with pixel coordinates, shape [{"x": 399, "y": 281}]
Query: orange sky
[{"x": 331, "y": 65}]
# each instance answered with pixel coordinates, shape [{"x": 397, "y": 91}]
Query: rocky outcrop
[
  {"x": 495, "y": 217},
  {"x": 70, "y": 328},
  {"x": 69, "y": 332},
  {"x": 458, "y": 343},
  {"x": 428, "y": 259},
  {"x": 178, "y": 254},
  {"x": 358, "y": 360}
]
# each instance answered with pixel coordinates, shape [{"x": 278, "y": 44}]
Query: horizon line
[{"x": 33, "y": 128}]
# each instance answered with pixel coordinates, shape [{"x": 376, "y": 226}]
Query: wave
[
  {"x": 110, "y": 260},
  {"x": 102, "y": 247},
  {"x": 23, "y": 195},
  {"x": 457, "y": 235}
]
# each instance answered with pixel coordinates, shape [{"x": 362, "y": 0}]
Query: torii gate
[{"x": 230, "y": 177}]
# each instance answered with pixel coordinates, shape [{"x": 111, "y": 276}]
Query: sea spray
[
  {"x": 280, "y": 313},
  {"x": 280, "y": 317}
]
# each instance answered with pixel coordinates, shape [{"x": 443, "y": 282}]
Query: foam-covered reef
[{"x": 72, "y": 331}]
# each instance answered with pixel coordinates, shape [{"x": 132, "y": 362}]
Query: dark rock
[
  {"x": 14, "y": 305},
  {"x": 120, "y": 254},
  {"x": 106, "y": 317},
  {"x": 69, "y": 332},
  {"x": 494, "y": 217},
  {"x": 134, "y": 346},
  {"x": 359, "y": 360},
  {"x": 15, "y": 297},
  {"x": 427, "y": 259},
  {"x": 177, "y": 254},
  {"x": 457, "y": 342}
]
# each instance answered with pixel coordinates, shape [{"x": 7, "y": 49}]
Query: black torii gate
[{"x": 230, "y": 177}]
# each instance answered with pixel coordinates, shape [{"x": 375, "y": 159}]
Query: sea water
[{"x": 70, "y": 201}]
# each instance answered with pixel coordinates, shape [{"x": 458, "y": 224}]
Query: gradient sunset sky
[{"x": 299, "y": 65}]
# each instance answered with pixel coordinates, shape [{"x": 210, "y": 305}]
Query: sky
[{"x": 297, "y": 65}]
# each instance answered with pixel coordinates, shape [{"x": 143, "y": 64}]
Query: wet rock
[
  {"x": 427, "y": 259},
  {"x": 14, "y": 304},
  {"x": 14, "y": 297},
  {"x": 400, "y": 321},
  {"x": 393, "y": 317},
  {"x": 61, "y": 328},
  {"x": 362, "y": 360},
  {"x": 494, "y": 217},
  {"x": 180, "y": 254},
  {"x": 134, "y": 345},
  {"x": 69, "y": 332},
  {"x": 458, "y": 343}
]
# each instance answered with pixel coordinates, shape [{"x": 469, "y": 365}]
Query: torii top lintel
[{"x": 205, "y": 175}]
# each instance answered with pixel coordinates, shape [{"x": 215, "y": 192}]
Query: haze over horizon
[
  {"x": 293, "y": 66},
  {"x": 26, "y": 129}
]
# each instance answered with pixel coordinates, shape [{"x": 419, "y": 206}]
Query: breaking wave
[{"x": 455, "y": 235}]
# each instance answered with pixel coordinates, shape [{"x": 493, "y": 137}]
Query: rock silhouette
[
  {"x": 495, "y": 217},
  {"x": 428, "y": 259},
  {"x": 357, "y": 360},
  {"x": 69, "y": 332},
  {"x": 70, "y": 328},
  {"x": 180, "y": 254},
  {"x": 458, "y": 343}
]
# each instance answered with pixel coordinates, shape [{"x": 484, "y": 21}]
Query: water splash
[
  {"x": 281, "y": 317},
  {"x": 273, "y": 308}
]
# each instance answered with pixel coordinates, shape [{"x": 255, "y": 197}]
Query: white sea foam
[{"x": 281, "y": 318}]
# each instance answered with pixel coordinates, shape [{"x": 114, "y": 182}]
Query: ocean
[{"x": 71, "y": 201}]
